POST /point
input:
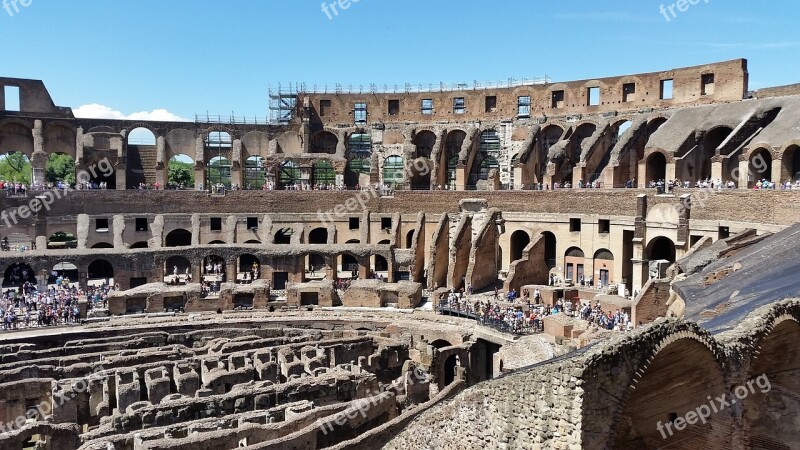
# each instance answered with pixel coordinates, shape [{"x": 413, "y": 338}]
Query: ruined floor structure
[
  {"x": 243, "y": 381},
  {"x": 272, "y": 358}
]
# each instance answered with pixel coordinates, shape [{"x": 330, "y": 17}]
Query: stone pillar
[
  {"x": 162, "y": 166},
  {"x": 578, "y": 175},
  {"x": 716, "y": 169},
  {"x": 39, "y": 157},
  {"x": 305, "y": 173},
  {"x": 195, "y": 229},
  {"x": 777, "y": 166},
  {"x": 83, "y": 230},
  {"x": 461, "y": 177},
  {"x": 670, "y": 171},
  {"x": 237, "y": 174},
  {"x": 231, "y": 269},
  {"x": 642, "y": 174},
  {"x": 119, "y": 229},
  {"x": 744, "y": 174},
  {"x": 199, "y": 162},
  {"x": 518, "y": 181}
]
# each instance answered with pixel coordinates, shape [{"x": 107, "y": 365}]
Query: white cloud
[{"x": 98, "y": 111}]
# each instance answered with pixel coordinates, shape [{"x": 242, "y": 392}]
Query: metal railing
[
  {"x": 414, "y": 88},
  {"x": 512, "y": 327}
]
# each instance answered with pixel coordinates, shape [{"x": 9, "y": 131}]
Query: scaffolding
[{"x": 283, "y": 102}]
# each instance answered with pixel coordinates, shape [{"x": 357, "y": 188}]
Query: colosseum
[{"x": 597, "y": 264}]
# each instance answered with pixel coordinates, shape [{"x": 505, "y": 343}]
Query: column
[
  {"x": 39, "y": 157},
  {"x": 461, "y": 177},
  {"x": 716, "y": 169},
  {"x": 162, "y": 166},
  {"x": 744, "y": 174},
  {"x": 199, "y": 163},
  {"x": 237, "y": 174}
]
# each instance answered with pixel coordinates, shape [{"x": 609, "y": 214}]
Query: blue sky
[{"x": 190, "y": 57}]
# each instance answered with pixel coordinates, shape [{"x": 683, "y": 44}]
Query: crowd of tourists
[{"x": 28, "y": 307}]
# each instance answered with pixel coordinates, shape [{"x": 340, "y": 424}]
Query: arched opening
[
  {"x": 648, "y": 417},
  {"x": 419, "y": 173},
  {"x": 213, "y": 269},
  {"x": 61, "y": 240},
  {"x": 284, "y": 236},
  {"x": 318, "y": 236},
  {"x": 249, "y": 268},
  {"x": 218, "y": 172},
  {"x": 656, "y": 169},
  {"x": 760, "y": 167},
  {"x": 486, "y": 159},
  {"x": 423, "y": 144},
  {"x": 550, "y": 137},
  {"x": 393, "y": 171},
  {"x": 255, "y": 175},
  {"x": 100, "y": 269},
  {"x": 353, "y": 241},
  {"x": 60, "y": 170},
  {"x": 574, "y": 260},
  {"x": 16, "y": 168},
  {"x": 218, "y": 144},
  {"x": 180, "y": 172},
  {"x": 519, "y": 240},
  {"x": 177, "y": 269},
  {"x": 449, "y": 158},
  {"x": 384, "y": 242},
  {"x": 289, "y": 175},
  {"x": 603, "y": 268},
  {"x": 358, "y": 170},
  {"x": 252, "y": 242},
  {"x": 103, "y": 245},
  {"x": 141, "y": 147},
  {"x": 661, "y": 248},
  {"x": 791, "y": 164},
  {"x": 315, "y": 266},
  {"x": 440, "y": 344},
  {"x": 18, "y": 274},
  {"x": 66, "y": 271},
  {"x": 359, "y": 145},
  {"x": 348, "y": 266},
  {"x": 178, "y": 238},
  {"x": 216, "y": 242},
  {"x": 140, "y": 244},
  {"x": 324, "y": 175},
  {"x": 324, "y": 142},
  {"x": 655, "y": 124},
  {"x": 380, "y": 266},
  {"x": 769, "y": 403},
  {"x": 549, "y": 249},
  {"x": 712, "y": 140},
  {"x": 16, "y": 242},
  {"x": 450, "y": 369},
  {"x": 409, "y": 238},
  {"x": 511, "y": 166}
]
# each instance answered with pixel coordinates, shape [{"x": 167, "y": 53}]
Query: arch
[
  {"x": 419, "y": 173},
  {"x": 603, "y": 265},
  {"x": 218, "y": 172},
  {"x": 489, "y": 142},
  {"x": 216, "y": 242},
  {"x": 178, "y": 238},
  {"x": 393, "y": 170},
  {"x": 441, "y": 343},
  {"x": 180, "y": 172},
  {"x": 410, "y": 238},
  {"x": 353, "y": 241},
  {"x": 15, "y": 137},
  {"x": 714, "y": 138},
  {"x": 248, "y": 263},
  {"x": 384, "y": 242},
  {"x": 574, "y": 263},
  {"x": 213, "y": 268},
  {"x": 100, "y": 269},
  {"x": 59, "y": 138},
  {"x": 315, "y": 265},
  {"x": 62, "y": 240},
  {"x": 661, "y": 248},
  {"x": 450, "y": 179},
  {"x": 790, "y": 164},
  {"x": 551, "y": 134},
  {"x": 218, "y": 144},
  {"x": 481, "y": 169},
  {"x": 324, "y": 175},
  {"x": 318, "y": 236},
  {"x": 380, "y": 264},
  {"x": 549, "y": 249},
  {"x": 776, "y": 374},
  {"x": 255, "y": 175},
  {"x": 674, "y": 369},
  {"x": 348, "y": 266},
  {"x": 359, "y": 145},
  {"x": 324, "y": 142},
  {"x": 252, "y": 242},
  {"x": 140, "y": 244},
  {"x": 141, "y": 136},
  {"x": 66, "y": 270},
  {"x": 16, "y": 167},
  {"x": 60, "y": 170},
  {"x": 759, "y": 166},
  {"x": 177, "y": 269},
  {"x": 449, "y": 158},
  {"x": 423, "y": 144},
  {"x": 654, "y": 124},
  {"x": 656, "y": 168},
  {"x": 284, "y": 236},
  {"x": 289, "y": 174},
  {"x": 103, "y": 245},
  {"x": 18, "y": 274},
  {"x": 519, "y": 240}
]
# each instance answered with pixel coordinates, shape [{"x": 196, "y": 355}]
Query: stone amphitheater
[{"x": 304, "y": 291}]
